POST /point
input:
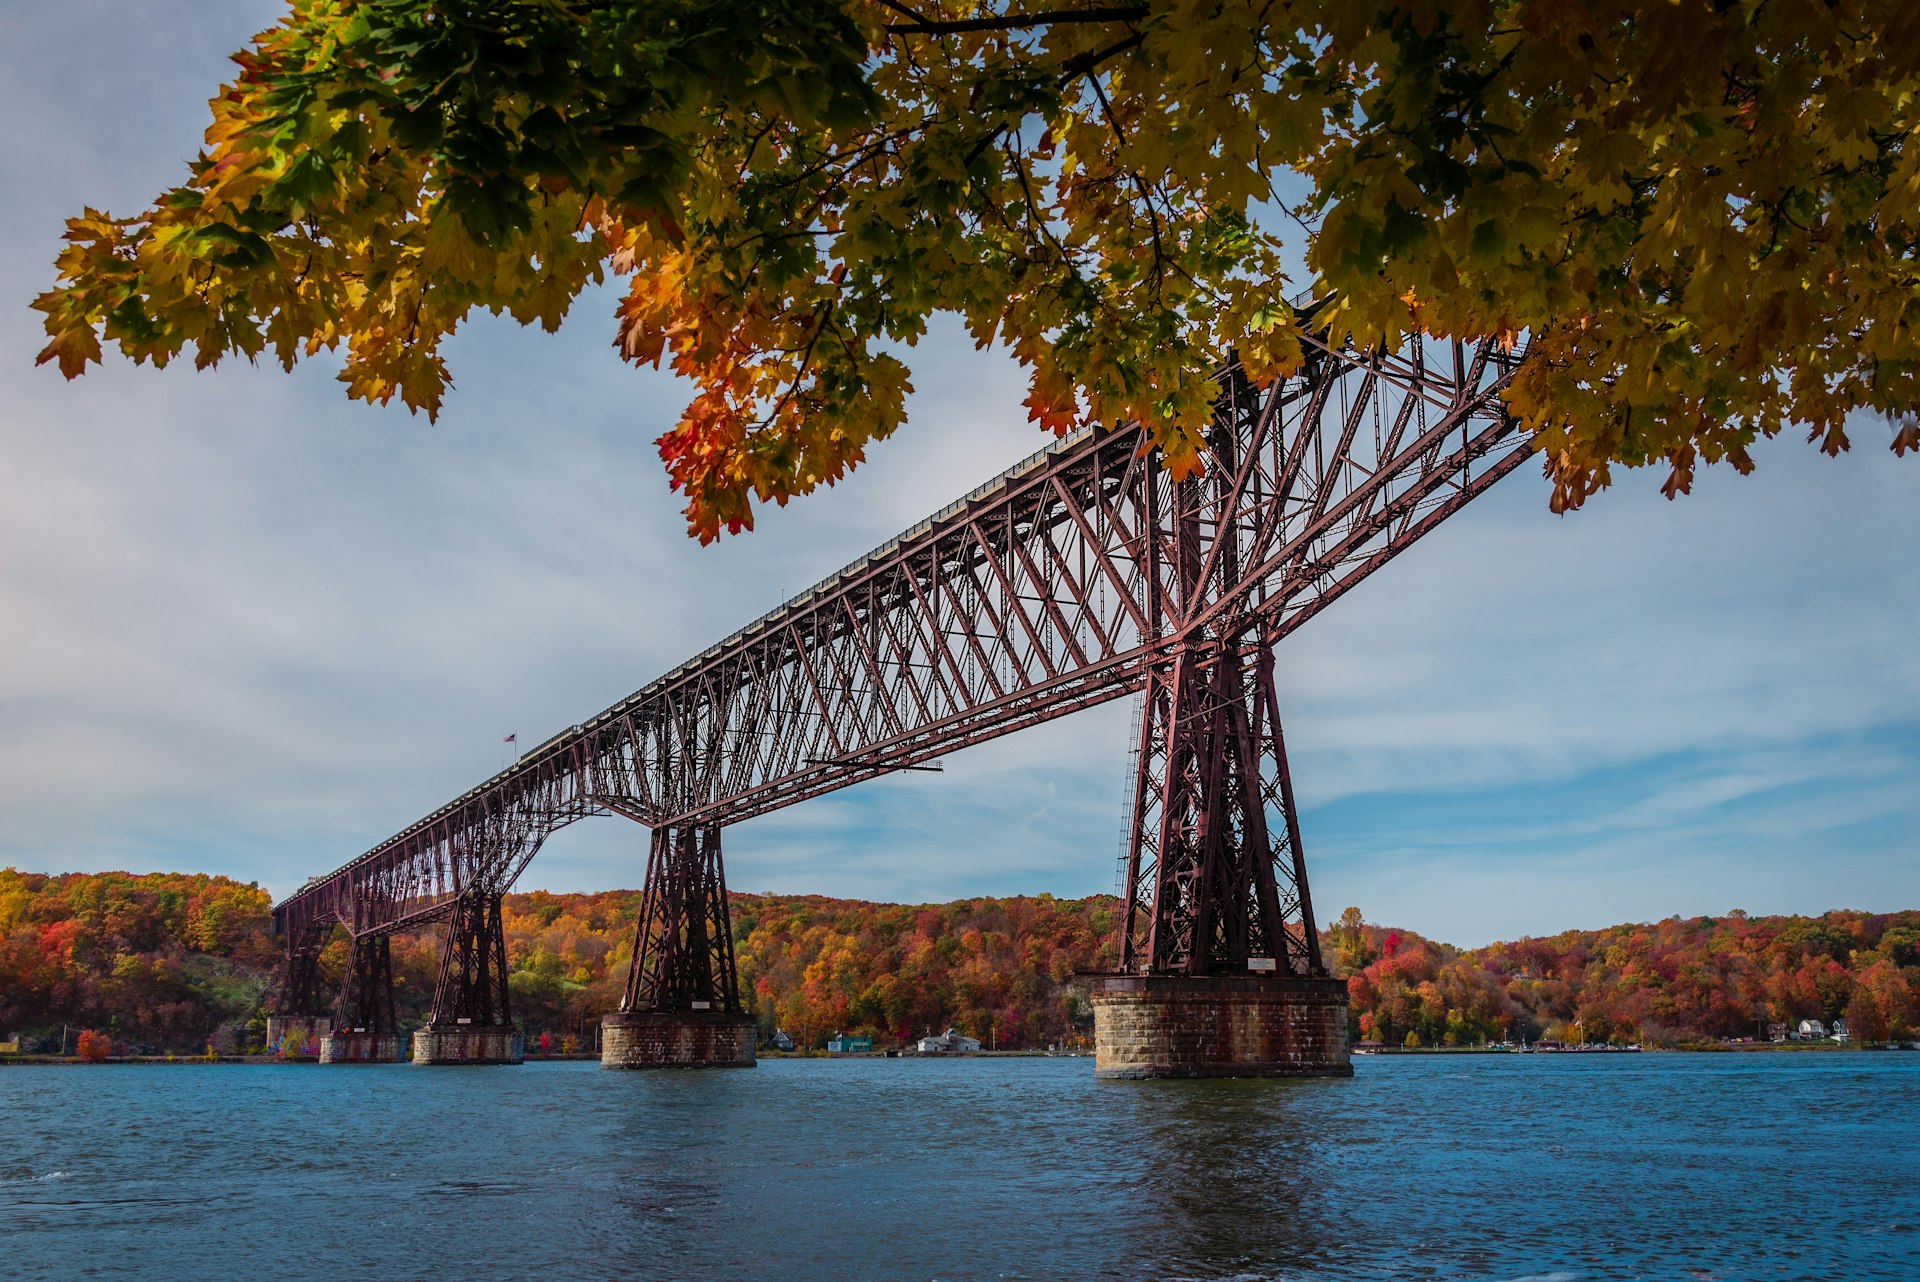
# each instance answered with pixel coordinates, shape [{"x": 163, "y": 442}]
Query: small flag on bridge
[{"x": 512, "y": 738}]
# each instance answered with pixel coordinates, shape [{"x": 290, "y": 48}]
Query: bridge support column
[
  {"x": 682, "y": 1007},
  {"x": 1223, "y": 970},
  {"x": 365, "y": 1028},
  {"x": 299, "y": 1020},
  {"x": 471, "y": 1022}
]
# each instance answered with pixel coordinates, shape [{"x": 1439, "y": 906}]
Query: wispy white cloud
[{"x": 1818, "y": 824}]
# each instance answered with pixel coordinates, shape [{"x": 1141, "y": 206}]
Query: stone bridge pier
[
  {"x": 365, "y": 1027},
  {"x": 682, "y": 1006},
  {"x": 1221, "y": 973},
  {"x": 299, "y": 1019},
  {"x": 472, "y": 1022}
]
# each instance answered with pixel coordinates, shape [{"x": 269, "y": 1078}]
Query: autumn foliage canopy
[
  {"x": 1700, "y": 216},
  {"x": 1685, "y": 979}
]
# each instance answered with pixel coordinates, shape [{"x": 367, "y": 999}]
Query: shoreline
[
  {"x": 1698, "y": 1048},
  {"x": 171, "y": 1061}
]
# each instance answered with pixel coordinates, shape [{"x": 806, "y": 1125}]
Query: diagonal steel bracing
[
  {"x": 683, "y": 940},
  {"x": 366, "y": 995},
  {"x": 1063, "y": 583},
  {"x": 472, "y": 988}
]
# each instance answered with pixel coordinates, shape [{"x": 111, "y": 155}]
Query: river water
[{"x": 1480, "y": 1167}]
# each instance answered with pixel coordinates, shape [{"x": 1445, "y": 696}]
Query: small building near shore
[
  {"x": 841, "y": 1044},
  {"x": 780, "y": 1041},
  {"x": 949, "y": 1043},
  {"x": 12, "y": 1047},
  {"x": 1812, "y": 1029},
  {"x": 1776, "y": 1032}
]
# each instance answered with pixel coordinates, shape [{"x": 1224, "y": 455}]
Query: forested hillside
[
  {"x": 163, "y": 958},
  {"x": 172, "y": 961},
  {"x": 1664, "y": 983},
  {"x": 1001, "y": 968}
]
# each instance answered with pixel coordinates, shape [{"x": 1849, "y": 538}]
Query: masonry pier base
[
  {"x": 353, "y": 1046},
  {"x": 471, "y": 1022},
  {"x": 677, "y": 1039},
  {"x": 468, "y": 1044},
  {"x": 1219, "y": 1026},
  {"x": 682, "y": 1008}
]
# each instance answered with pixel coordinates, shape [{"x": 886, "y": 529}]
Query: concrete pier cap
[
  {"x": 1219, "y": 1026},
  {"x": 677, "y": 1039}
]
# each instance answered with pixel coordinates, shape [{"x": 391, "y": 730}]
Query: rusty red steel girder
[
  {"x": 366, "y": 1002},
  {"x": 1063, "y": 583},
  {"x": 472, "y": 988},
  {"x": 683, "y": 939}
]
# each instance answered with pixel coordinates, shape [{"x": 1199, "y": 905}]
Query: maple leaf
[
  {"x": 1907, "y": 438},
  {"x": 74, "y": 347}
]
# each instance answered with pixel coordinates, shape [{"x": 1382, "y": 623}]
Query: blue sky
[{"x": 248, "y": 627}]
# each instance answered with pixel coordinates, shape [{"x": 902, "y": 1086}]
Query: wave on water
[
  {"x": 51, "y": 1177},
  {"x": 474, "y": 1188}
]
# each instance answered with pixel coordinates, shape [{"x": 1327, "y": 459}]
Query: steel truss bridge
[{"x": 1084, "y": 574}]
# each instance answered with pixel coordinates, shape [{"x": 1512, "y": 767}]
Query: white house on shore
[
  {"x": 949, "y": 1043},
  {"x": 1812, "y": 1029}
]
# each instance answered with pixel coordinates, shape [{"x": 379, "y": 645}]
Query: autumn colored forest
[{"x": 172, "y": 961}]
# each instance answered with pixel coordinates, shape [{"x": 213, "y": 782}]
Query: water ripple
[{"x": 1495, "y": 1169}]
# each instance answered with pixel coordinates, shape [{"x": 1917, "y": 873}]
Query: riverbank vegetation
[
  {"x": 167, "y": 961},
  {"x": 1679, "y": 981}
]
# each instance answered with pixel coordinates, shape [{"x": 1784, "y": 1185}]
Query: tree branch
[
  {"x": 1081, "y": 64},
  {"x": 1070, "y": 70},
  {"x": 1013, "y": 21}
]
